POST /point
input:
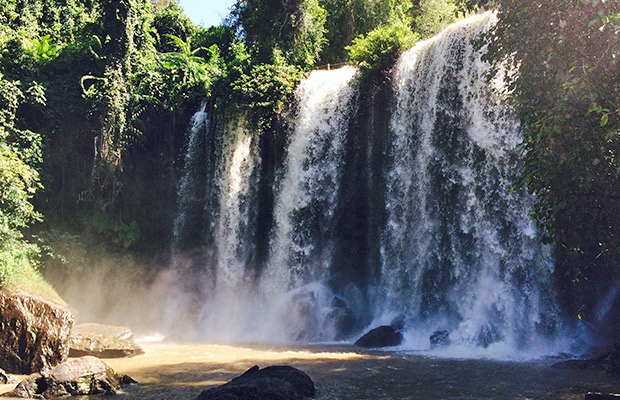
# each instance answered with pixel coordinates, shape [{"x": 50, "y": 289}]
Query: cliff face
[{"x": 34, "y": 334}]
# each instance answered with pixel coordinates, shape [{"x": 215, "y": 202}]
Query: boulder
[
  {"x": 90, "y": 344},
  {"x": 113, "y": 331},
  {"x": 440, "y": 339},
  {"x": 382, "y": 336},
  {"x": 77, "y": 377},
  {"x": 279, "y": 382},
  {"x": 34, "y": 334},
  {"x": 6, "y": 378},
  {"x": 601, "y": 396}
]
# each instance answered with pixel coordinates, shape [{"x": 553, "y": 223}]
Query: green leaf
[{"x": 604, "y": 120}]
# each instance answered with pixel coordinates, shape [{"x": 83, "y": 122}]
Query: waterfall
[
  {"x": 190, "y": 186},
  {"x": 233, "y": 227},
  {"x": 307, "y": 194},
  {"x": 391, "y": 203},
  {"x": 228, "y": 258},
  {"x": 459, "y": 250}
]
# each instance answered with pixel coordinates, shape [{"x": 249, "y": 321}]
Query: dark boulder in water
[
  {"x": 383, "y": 336},
  {"x": 440, "y": 339},
  {"x": 279, "y": 382}
]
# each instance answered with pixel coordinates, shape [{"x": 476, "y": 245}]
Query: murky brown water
[{"x": 343, "y": 372}]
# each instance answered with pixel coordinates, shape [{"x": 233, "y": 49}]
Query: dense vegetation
[{"x": 97, "y": 92}]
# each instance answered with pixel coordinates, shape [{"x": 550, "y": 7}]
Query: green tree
[
  {"x": 170, "y": 20},
  {"x": 190, "y": 75},
  {"x": 19, "y": 155},
  {"x": 295, "y": 27}
]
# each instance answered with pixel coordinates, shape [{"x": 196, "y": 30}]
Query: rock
[
  {"x": 34, "y": 334},
  {"x": 440, "y": 339},
  {"x": 272, "y": 383},
  {"x": 382, "y": 336},
  {"x": 342, "y": 318},
  {"x": 118, "y": 332},
  {"x": 30, "y": 388},
  {"x": 6, "y": 378},
  {"x": 77, "y": 377},
  {"x": 90, "y": 344},
  {"x": 601, "y": 396},
  {"x": 398, "y": 322},
  {"x": 127, "y": 380}
]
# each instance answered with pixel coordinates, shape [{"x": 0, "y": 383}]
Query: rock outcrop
[
  {"x": 90, "y": 344},
  {"x": 113, "y": 331},
  {"x": 272, "y": 383},
  {"x": 34, "y": 334},
  {"x": 383, "y": 336},
  {"x": 77, "y": 377}
]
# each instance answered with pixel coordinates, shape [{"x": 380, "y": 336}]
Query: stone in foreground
[
  {"x": 383, "y": 336},
  {"x": 77, "y": 377},
  {"x": 278, "y": 382},
  {"x": 34, "y": 334},
  {"x": 90, "y": 344}
]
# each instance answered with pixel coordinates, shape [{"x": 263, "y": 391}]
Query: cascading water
[
  {"x": 459, "y": 252},
  {"x": 301, "y": 248},
  {"x": 455, "y": 248},
  {"x": 190, "y": 183},
  {"x": 228, "y": 250}
]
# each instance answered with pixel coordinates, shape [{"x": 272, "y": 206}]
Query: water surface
[{"x": 346, "y": 372}]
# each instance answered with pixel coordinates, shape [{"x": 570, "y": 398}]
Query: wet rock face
[
  {"x": 34, "y": 334},
  {"x": 383, "y": 336},
  {"x": 77, "y": 377},
  {"x": 278, "y": 382}
]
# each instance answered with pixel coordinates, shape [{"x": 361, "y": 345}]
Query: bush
[
  {"x": 378, "y": 51},
  {"x": 265, "y": 89}
]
